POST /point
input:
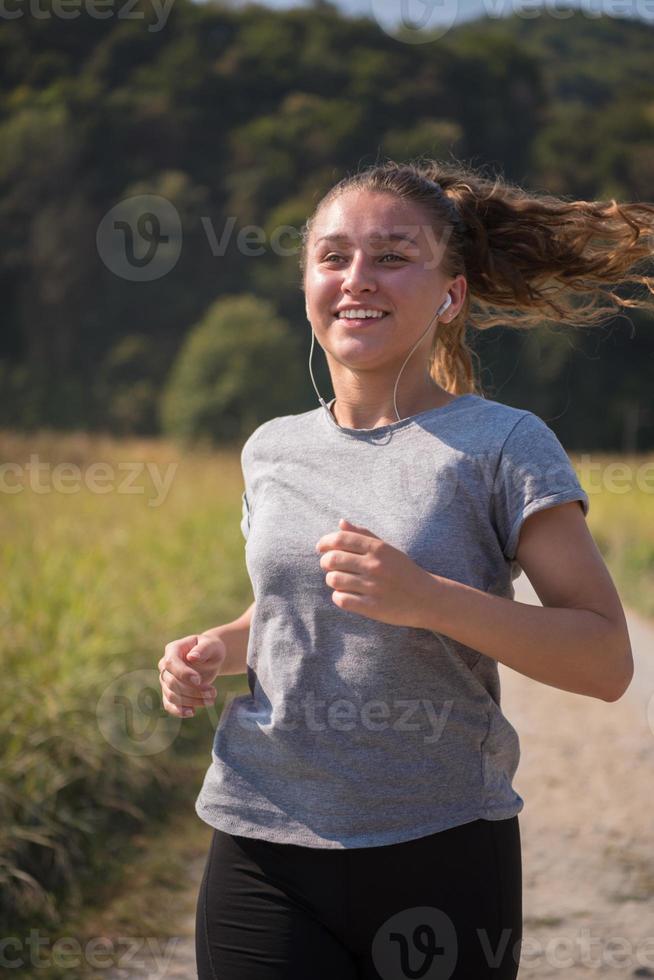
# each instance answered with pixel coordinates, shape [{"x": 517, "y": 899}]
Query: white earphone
[
  {"x": 445, "y": 305},
  {"x": 441, "y": 309},
  {"x": 447, "y": 302}
]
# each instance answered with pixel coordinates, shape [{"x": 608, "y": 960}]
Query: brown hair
[{"x": 524, "y": 255}]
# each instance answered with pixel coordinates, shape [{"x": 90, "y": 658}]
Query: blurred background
[
  {"x": 216, "y": 127},
  {"x": 157, "y": 159}
]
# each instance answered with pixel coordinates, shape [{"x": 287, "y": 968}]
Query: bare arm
[
  {"x": 235, "y": 636},
  {"x": 578, "y": 641}
]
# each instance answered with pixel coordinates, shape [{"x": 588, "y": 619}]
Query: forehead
[{"x": 369, "y": 216}]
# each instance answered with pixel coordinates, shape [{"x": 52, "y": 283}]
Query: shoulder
[
  {"x": 277, "y": 431},
  {"x": 497, "y": 421},
  {"x": 528, "y": 435},
  {"x": 512, "y": 437}
]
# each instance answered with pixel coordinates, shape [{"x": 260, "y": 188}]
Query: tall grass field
[{"x": 99, "y": 570}]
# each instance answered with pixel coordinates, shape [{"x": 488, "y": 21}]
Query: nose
[{"x": 359, "y": 274}]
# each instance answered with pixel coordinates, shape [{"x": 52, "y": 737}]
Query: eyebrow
[{"x": 376, "y": 236}]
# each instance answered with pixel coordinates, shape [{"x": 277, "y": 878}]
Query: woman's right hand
[{"x": 197, "y": 656}]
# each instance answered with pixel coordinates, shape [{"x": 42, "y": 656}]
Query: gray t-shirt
[{"x": 355, "y": 732}]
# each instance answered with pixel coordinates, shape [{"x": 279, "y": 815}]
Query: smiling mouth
[{"x": 360, "y": 320}]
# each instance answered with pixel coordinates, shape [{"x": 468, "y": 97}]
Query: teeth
[{"x": 360, "y": 314}]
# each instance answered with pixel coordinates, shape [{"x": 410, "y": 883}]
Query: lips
[
  {"x": 359, "y": 323},
  {"x": 361, "y": 319}
]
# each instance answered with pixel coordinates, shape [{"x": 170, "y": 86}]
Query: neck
[{"x": 351, "y": 414}]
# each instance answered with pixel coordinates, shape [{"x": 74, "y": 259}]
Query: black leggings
[{"x": 444, "y": 906}]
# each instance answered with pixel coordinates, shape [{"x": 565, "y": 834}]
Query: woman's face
[{"x": 367, "y": 268}]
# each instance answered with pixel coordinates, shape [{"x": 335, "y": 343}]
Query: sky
[{"x": 428, "y": 19}]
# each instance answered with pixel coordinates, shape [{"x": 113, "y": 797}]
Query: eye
[{"x": 392, "y": 255}]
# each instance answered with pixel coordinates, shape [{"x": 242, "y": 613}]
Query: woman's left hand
[{"x": 373, "y": 578}]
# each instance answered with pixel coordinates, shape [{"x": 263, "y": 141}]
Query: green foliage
[
  {"x": 99, "y": 583},
  {"x": 234, "y": 371},
  {"x": 430, "y": 136},
  {"x": 621, "y": 519},
  {"x": 127, "y": 378}
]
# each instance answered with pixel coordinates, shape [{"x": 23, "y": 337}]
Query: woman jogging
[{"x": 365, "y": 822}]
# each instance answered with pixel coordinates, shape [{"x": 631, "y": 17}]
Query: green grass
[
  {"x": 621, "y": 520},
  {"x": 95, "y": 584}
]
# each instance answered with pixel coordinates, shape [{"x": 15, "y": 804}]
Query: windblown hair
[{"x": 526, "y": 257}]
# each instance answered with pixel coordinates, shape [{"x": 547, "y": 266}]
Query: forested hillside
[{"x": 242, "y": 118}]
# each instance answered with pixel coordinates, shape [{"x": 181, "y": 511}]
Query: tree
[{"x": 238, "y": 367}]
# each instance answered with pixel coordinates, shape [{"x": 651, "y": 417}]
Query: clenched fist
[{"x": 186, "y": 671}]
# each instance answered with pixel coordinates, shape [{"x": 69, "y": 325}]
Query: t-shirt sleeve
[
  {"x": 534, "y": 472},
  {"x": 245, "y": 515}
]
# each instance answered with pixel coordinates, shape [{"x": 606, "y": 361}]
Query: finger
[
  {"x": 171, "y": 680},
  {"x": 347, "y": 583},
  {"x": 174, "y": 709},
  {"x": 361, "y": 605},
  {"x": 345, "y": 540},
  {"x": 349, "y": 526},
  {"x": 182, "y": 674},
  {"x": 194, "y": 698},
  {"x": 190, "y": 701},
  {"x": 344, "y": 560},
  {"x": 177, "y": 649},
  {"x": 172, "y": 685},
  {"x": 174, "y": 658},
  {"x": 193, "y": 694},
  {"x": 202, "y": 649}
]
